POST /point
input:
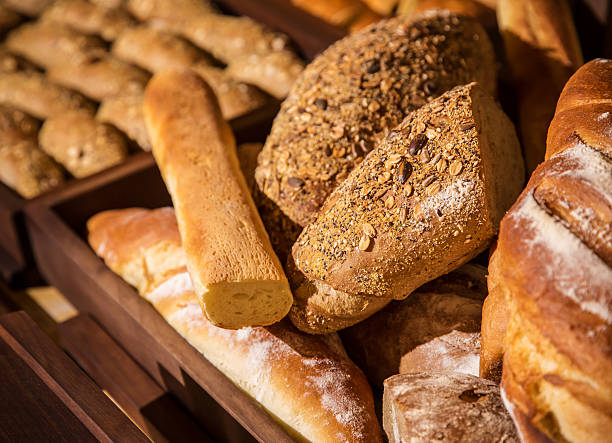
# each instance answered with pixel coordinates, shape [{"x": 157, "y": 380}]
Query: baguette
[
  {"x": 543, "y": 51},
  {"x": 549, "y": 312},
  {"x": 306, "y": 383},
  {"x": 235, "y": 272},
  {"x": 426, "y": 200},
  {"x": 354, "y": 93}
]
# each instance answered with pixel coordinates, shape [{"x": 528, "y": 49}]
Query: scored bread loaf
[
  {"x": 354, "y": 93},
  {"x": 543, "y": 51},
  {"x": 23, "y": 166},
  {"x": 33, "y": 93},
  {"x": 125, "y": 112},
  {"x": 426, "y": 200},
  {"x": 450, "y": 407},
  {"x": 81, "y": 144},
  {"x": 549, "y": 312},
  {"x": 88, "y": 18},
  {"x": 48, "y": 44},
  {"x": 100, "y": 78},
  {"x": 236, "y": 274},
  {"x": 305, "y": 382},
  {"x": 451, "y": 302}
]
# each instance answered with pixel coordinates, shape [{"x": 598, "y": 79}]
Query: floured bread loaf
[
  {"x": 445, "y": 407},
  {"x": 81, "y": 144},
  {"x": 305, "y": 382},
  {"x": 236, "y": 274},
  {"x": 352, "y": 95},
  {"x": 425, "y": 201},
  {"x": 454, "y": 352},
  {"x": 34, "y": 94}
]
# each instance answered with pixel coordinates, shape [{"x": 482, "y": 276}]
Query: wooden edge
[
  {"x": 311, "y": 34},
  {"x": 83, "y": 268},
  {"x": 80, "y": 395},
  {"x": 127, "y": 383}
]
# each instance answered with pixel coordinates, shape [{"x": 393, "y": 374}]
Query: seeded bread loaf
[
  {"x": 125, "y": 112},
  {"x": 236, "y": 274},
  {"x": 88, "y": 18},
  {"x": 353, "y": 94},
  {"x": 425, "y": 201},
  {"x": 23, "y": 166},
  {"x": 445, "y": 407},
  {"x": 81, "y": 144},
  {"x": 48, "y": 44},
  {"x": 100, "y": 78},
  {"x": 451, "y": 302},
  {"x": 306, "y": 383},
  {"x": 33, "y": 93},
  {"x": 549, "y": 309}
]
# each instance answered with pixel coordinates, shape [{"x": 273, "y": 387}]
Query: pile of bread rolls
[
  {"x": 388, "y": 172},
  {"x": 97, "y": 58}
]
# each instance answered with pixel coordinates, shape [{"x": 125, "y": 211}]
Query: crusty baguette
[
  {"x": 236, "y": 274},
  {"x": 89, "y": 18},
  {"x": 358, "y": 90},
  {"x": 34, "y": 94},
  {"x": 543, "y": 51},
  {"x": 451, "y": 407},
  {"x": 81, "y": 144},
  {"x": 426, "y": 200},
  {"x": 305, "y": 382},
  {"x": 549, "y": 311},
  {"x": 48, "y": 44}
]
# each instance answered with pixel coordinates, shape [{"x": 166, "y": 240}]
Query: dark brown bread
[
  {"x": 549, "y": 312},
  {"x": 353, "y": 94}
]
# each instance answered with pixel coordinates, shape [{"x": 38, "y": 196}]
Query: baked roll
[
  {"x": 31, "y": 8},
  {"x": 33, "y": 93},
  {"x": 126, "y": 113},
  {"x": 81, "y": 144},
  {"x": 426, "y": 200},
  {"x": 549, "y": 309},
  {"x": 353, "y": 94},
  {"x": 48, "y": 44},
  {"x": 306, "y": 383}
]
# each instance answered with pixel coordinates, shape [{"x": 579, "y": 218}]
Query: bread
[
  {"x": 364, "y": 19},
  {"x": 81, "y": 144},
  {"x": 337, "y": 12},
  {"x": 306, "y": 383},
  {"x": 426, "y": 200},
  {"x": 34, "y": 94},
  {"x": 89, "y": 18},
  {"x": 449, "y": 303},
  {"x": 10, "y": 62},
  {"x": 354, "y": 93},
  {"x": 100, "y": 78},
  {"x": 247, "y": 157},
  {"x": 48, "y": 44},
  {"x": 543, "y": 51},
  {"x": 485, "y": 14},
  {"x": 8, "y": 19},
  {"x": 170, "y": 15},
  {"x": 550, "y": 277},
  {"x": 457, "y": 352},
  {"x": 31, "y": 8},
  {"x": 24, "y": 167},
  {"x": 110, "y": 4},
  {"x": 235, "y": 272},
  {"x": 125, "y": 112},
  {"x": 382, "y": 7},
  {"x": 445, "y": 407}
]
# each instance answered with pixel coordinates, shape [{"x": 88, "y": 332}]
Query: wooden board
[
  {"x": 46, "y": 397},
  {"x": 57, "y": 231}
]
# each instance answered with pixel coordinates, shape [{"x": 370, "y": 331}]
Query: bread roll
[
  {"x": 23, "y": 166},
  {"x": 549, "y": 311},
  {"x": 445, "y": 407},
  {"x": 49, "y": 45},
  {"x": 426, "y": 200},
  {"x": 81, "y": 144},
  {"x": 306, "y": 383},
  {"x": 10, "y": 62},
  {"x": 100, "y": 78},
  {"x": 89, "y": 18},
  {"x": 31, "y": 8},
  {"x": 170, "y": 15},
  {"x": 543, "y": 51},
  {"x": 354, "y": 93},
  {"x": 451, "y": 302},
  {"x": 125, "y": 112},
  {"x": 236, "y": 274},
  {"x": 34, "y": 94}
]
